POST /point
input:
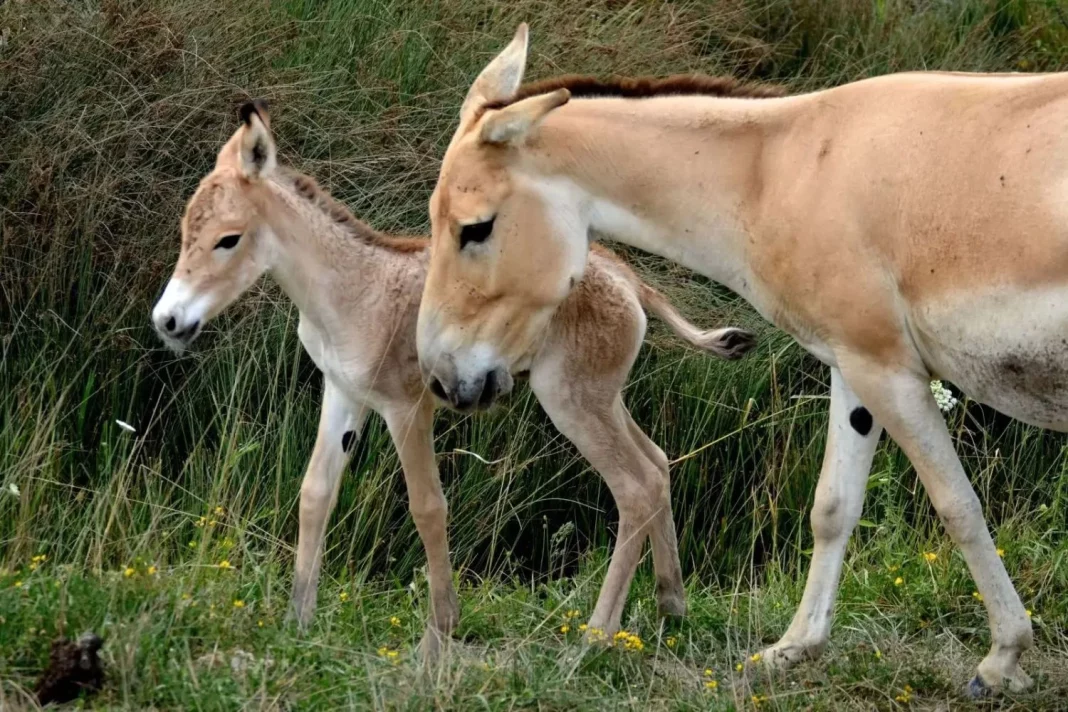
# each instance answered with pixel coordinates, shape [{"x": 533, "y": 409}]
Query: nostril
[
  {"x": 489, "y": 390},
  {"x": 437, "y": 389},
  {"x": 170, "y": 325}
]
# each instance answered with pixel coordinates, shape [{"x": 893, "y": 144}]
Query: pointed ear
[
  {"x": 501, "y": 77},
  {"x": 258, "y": 155},
  {"x": 514, "y": 122}
]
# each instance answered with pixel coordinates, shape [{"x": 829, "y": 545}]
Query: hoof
[
  {"x": 432, "y": 647},
  {"x": 977, "y": 689},
  {"x": 671, "y": 606},
  {"x": 784, "y": 655}
]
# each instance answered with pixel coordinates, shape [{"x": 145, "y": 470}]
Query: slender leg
[
  {"x": 670, "y": 593},
  {"x": 852, "y": 437},
  {"x": 339, "y": 428},
  {"x": 597, "y": 423},
  {"x": 902, "y": 401},
  {"x": 411, "y": 427}
]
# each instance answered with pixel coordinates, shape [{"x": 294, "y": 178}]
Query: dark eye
[
  {"x": 227, "y": 242},
  {"x": 478, "y": 232}
]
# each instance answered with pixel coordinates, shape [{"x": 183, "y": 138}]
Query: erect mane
[
  {"x": 585, "y": 85},
  {"x": 310, "y": 190}
]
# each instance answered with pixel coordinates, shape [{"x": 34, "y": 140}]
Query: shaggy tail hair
[{"x": 728, "y": 343}]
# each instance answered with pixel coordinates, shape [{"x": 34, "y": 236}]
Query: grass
[{"x": 111, "y": 111}]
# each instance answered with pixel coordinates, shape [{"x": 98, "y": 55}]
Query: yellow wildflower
[
  {"x": 583, "y": 627},
  {"x": 394, "y": 621},
  {"x": 755, "y": 657},
  {"x": 238, "y": 603},
  {"x": 201, "y": 522},
  {"x": 186, "y": 596},
  {"x": 893, "y": 567},
  {"x": 192, "y": 545},
  {"x": 565, "y": 628},
  {"x": 1001, "y": 552},
  {"x": 977, "y": 596},
  {"x": 930, "y": 556},
  {"x": 151, "y": 570},
  {"x": 130, "y": 571},
  {"x": 739, "y": 667},
  {"x": 672, "y": 641},
  {"x": 259, "y": 623},
  {"x": 224, "y": 564},
  {"x": 709, "y": 672},
  {"x": 572, "y": 614},
  {"x": 878, "y": 655},
  {"x": 343, "y": 596},
  {"x": 711, "y": 684},
  {"x": 1028, "y": 612},
  {"x": 219, "y": 511},
  {"x": 18, "y": 584},
  {"x": 899, "y": 581}
]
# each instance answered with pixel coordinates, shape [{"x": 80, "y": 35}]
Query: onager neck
[
  {"x": 321, "y": 250},
  {"x": 681, "y": 177}
]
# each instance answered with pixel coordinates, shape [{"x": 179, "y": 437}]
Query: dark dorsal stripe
[
  {"x": 585, "y": 85},
  {"x": 306, "y": 187}
]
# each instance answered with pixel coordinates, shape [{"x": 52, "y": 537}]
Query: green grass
[{"x": 111, "y": 111}]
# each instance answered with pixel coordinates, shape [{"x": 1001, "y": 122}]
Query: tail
[{"x": 729, "y": 343}]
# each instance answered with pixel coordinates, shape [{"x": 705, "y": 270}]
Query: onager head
[
  {"x": 226, "y": 240},
  {"x": 507, "y": 246}
]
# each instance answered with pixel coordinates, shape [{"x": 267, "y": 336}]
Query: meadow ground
[{"x": 111, "y": 110}]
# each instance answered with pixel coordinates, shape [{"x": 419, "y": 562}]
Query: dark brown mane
[
  {"x": 310, "y": 190},
  {"x": 584, "y": 85}
]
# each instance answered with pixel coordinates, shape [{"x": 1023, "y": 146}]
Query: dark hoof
[{"x": 978, "y": 690}]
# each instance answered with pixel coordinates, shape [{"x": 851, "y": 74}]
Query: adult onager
[
  {"x": 900, "y": 228},
  {"x": 358, "y": 294}
]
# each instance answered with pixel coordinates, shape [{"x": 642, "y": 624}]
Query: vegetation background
[{"x": 175, "y": 542}]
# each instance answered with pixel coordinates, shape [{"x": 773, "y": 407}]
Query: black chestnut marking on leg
[
  {"x": 348, "y": 440},
  {"x": 861, "y": 420}
]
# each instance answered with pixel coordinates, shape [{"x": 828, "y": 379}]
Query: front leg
[
  {"x": 339, "y": 429},
  {"x": 852, "y": 438},
  {"x": 411, "y": 427}
]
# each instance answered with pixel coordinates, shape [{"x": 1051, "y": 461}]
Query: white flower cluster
[{"x": 943, "y": 396}]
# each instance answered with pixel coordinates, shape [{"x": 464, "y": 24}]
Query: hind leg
[
  {"x": 670, "y": 593},
  {"x": 902, "y": 401},
  {"x": 597, "y": 423}
]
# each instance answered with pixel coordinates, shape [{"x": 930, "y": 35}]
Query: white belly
[
  {"x": 1008, "y": 350},
  {"x": 345, "y": 371}
]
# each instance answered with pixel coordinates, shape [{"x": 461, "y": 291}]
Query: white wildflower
[
  {"x": 943, "y": 396},
  {"x": 13, "y": 489}
]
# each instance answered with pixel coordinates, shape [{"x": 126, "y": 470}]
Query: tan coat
[{"x": 358, "y": 293}]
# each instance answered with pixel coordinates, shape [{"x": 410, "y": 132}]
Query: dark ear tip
[{"x": 257, "y": 107}]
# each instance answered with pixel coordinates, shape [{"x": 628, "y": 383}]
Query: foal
[{"x": 358, "y": 294}]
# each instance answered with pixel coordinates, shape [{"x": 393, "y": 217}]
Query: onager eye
[
  {"x": 227, "y": 242},
  {"x": 476, "y": 233}
]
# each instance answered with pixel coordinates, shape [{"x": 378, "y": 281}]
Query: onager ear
[
  {"x": 501, "y": 77},
  {"x": 514, "y": 122},
  {"x": 258, "y": 154}
]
